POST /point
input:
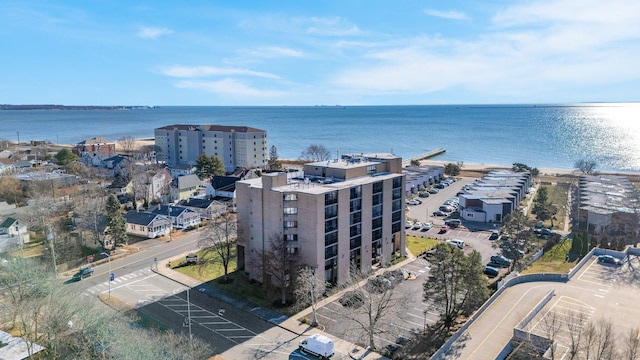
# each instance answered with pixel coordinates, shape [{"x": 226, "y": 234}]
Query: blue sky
[{"x": 348, "y": 52}]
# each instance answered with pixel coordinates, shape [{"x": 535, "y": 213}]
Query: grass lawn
[
  {"x": 553, "y": 261},
  {"x": 209, "y": 266},
  {"x": 417, "y": 245}
]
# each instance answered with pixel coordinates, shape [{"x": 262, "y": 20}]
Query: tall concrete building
[
  {"x": 236, "y": 146},
  {"x": 336, "y": 214}
]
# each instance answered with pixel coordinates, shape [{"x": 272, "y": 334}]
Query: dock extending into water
[{"x": 423, "y": 156}]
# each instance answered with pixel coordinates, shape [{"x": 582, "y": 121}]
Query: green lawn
[
  {"x": 209, "y": 265},
  {"x": 553, "y": 261},
  {"x": 417, "y": 245}
]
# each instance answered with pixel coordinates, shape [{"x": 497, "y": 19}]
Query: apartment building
[
  {"x": 337, "y": 214},
  {"x": 236, "y": 146}
]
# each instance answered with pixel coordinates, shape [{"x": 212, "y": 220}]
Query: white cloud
[
  {"x": 451, "y": 14},
  {"x": 153, "y": 33},
  {"x": 272, "y": 52},
  {"x": 228, "y": 87},
  {"x": 329, "y": 26},
  {"x": 206, "y": 71}
]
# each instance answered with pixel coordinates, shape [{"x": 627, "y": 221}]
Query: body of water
[{"x": 543, "y": 136}]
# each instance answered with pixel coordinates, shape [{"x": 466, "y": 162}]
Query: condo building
[
  {"x": 236, "y": 146},
  {"x": 336, "y": 216}
]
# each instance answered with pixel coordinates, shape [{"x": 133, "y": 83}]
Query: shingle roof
[
  {"x": 175, "y": 210},
  {"x": 7, "y": 222},
  {"x": 188, "y": 181},
  {"x": 140, "y": 218},
  {"x": 224, "y": 183},
  {"x": 197, "y": 203}
]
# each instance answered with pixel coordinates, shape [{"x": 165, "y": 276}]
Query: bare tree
[
  {"x": 370, "y": 303},
  {"x": 309, "y": 289},
  {"x": 550, "y": 325},
  {"x": 279, "y": 265},
  {"x": 575, "y": 322},
  {"x": 631, "y": 350},
  {"x": 605, "y": 341},
  {"x": 220, "y": 235},
  {"x": 315, "y": 152},
  {"x": 10, "y": 189},
  {"x": 585, "y": 166},
  {"x": 127, "y": 144}
]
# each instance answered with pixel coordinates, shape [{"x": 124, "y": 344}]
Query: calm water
[{"x": 544, "y": 136}]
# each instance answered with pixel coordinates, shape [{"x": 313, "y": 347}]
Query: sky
[{"x": 332, "y": 52}]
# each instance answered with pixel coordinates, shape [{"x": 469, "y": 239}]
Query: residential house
[
  {"x": 13, "y": 233},
  {"x": 116, "y": 164},
  {"x": 181, "y": 217},
  {"x": 148, "y": 225},
  {"x": 158, "y": 186},
  {"x": 236, "y": 146},
  {"x": 186, "y": 186},
  {"x": 178, "y": 170},
  {"x": 121, "y": 185},
  {"x": 222, "y": 186},
  {"x": 207, "y": 208},
  {"x": 343, "y": 214},
  {"x": 494, "y": 196},
  {"x": 96, "y": 145},
  {"x": 6, "y": 166}
]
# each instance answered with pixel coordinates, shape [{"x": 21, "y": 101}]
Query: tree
[
  {"x": 279, "y": 265},
  {"x": 542, "y": 207},
  {"x": 585, "y": 166},
  {"x": 115, "y": 221},
  {"x": 631, "y": 350},
  {"x": 456, "y": 284},
  {"x": 519, "y": 167},
  {"x": 369, "y": 303},
  {"x": 315, "y": 152},
  {"x": 274, "y": 163},
  {"x": 65, "y": 157},
  {"x": 220, "y": 235},
  {"x": 451, "y": 169},
  {"x": 309, "y": 289},
  {"x": 208, "y": 166},
  {"x": 127, "y": 144},
  {"x": 415, "y": 162}
]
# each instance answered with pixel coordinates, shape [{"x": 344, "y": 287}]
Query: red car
[{"x": 444, "y": 229}]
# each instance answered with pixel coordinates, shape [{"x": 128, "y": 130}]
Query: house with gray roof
[
  {"x": 222, "y": 186},
  {"x": 181, "y": 217},
  {"x": 148, "y": 225},
  {"x": 207, "y": 208},
  {"x": 186, "y": 186}
]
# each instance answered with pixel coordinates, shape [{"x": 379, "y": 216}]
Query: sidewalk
[{"x": 287, "y": 323}]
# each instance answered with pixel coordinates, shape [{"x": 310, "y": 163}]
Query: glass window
[
  {"x": 377, "y": 187},
  {"x": 331, "y": 211},
  {"x": 397, "y": 182},
  {"x": 290, "y": 211},
  {"x": 290, "y": 224},
  {"x": 331, "y": 198},
  {"x": 356, "y": 192}
]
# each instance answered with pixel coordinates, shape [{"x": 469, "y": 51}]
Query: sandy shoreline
[{"x": 466, "y": 167}]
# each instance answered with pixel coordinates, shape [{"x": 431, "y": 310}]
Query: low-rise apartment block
[{"x": 340, "y": 214}]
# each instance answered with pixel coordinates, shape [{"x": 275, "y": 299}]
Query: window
[
  {"x": 290, "y": 224},
  {"x": 290, "y": 211},
  {"x": 331, "y": 198},
  {"x": 371, "y": 169},
  {"x": 377, "y": 199},
  {"x": 376, "y": 223},
  {"x": 356, "y": 218},
  {"x": 356, "y": 192},
  {"x": 355, "y": 230},
  {"x": 331, "y": 211},
  {"x": 377, "y": 187},
  {"x": 331, "y": 225},
  {"x": 356, "y": 205},
  {"x": 376, "y": 211},
  {"x": 397, "y": 182},
  {"x": 291, "y": 237}
]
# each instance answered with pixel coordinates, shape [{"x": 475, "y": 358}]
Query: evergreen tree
[
  {"x": 208, "y": 166},
  {"x": 274, "y": 163},
  {"x": 115, "y": 220},
  {"x": 65, "y": 157}
]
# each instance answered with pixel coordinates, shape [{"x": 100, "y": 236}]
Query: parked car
[
  {"x": 424, "y": 194},
  {"x": 417, "y": 225},
  {"x": 443, "y": 229},
  {"x": 418, "y": 200},
  {"x": 608, "y": 259},
  {"x": 441, "y": 186},
  {"x": 439, "y": 213},
  {"x": 426, "y": 226},
  {"x": 82, "y": 273},
  {"x": 413, "y": 202},
  {"x": 446, "y": 208},
  {"x": 456, "y": 242},
  {"x": 408, "y": 224},
  {"x": 490, "y": 271},
  {"x": 494, "y": 235},
  {"x": 500, "y": 261},
  {"x": 453, "y": 223},
  {"x": 433, "y": 191}
]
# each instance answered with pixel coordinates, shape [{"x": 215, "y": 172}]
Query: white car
[
  {"x": 408, "y": 224},
  {"x": 417, "y": 225},
  {"x": 413, "y": 202},
  {"x": 426, "y": 226}
]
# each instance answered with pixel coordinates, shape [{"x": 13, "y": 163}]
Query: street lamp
[{"x": 109, "y": 276}]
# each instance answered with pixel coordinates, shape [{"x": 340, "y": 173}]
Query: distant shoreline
[{"x": 71, "y": 107}]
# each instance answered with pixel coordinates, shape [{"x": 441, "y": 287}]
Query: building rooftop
[{"x": 216, "y": 127}]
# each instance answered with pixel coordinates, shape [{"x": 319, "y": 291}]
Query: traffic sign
[{"x": 112, "y": 276}]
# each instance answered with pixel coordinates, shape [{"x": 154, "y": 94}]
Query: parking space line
[
  {"x": 400, "y": 327},
  {"x": 326, "y": 317}
]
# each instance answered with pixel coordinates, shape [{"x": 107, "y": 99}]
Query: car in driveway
[
  {"x": 426, "y": 226},
  {"x": 608, "y": 259},
  {"x": 82, "y": 273}
]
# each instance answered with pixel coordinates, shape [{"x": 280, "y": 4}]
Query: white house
[
  {"x": 146, "y": 224},
  {"x": 181, "y": 217}
]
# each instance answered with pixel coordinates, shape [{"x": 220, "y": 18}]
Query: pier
[{"x": 423, "y": 156}]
